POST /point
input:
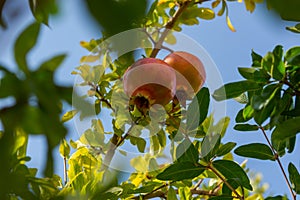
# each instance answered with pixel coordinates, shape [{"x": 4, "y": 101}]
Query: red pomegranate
[
  {"x": 150, "y": 81},
  {"x": 190, "y": 73}
]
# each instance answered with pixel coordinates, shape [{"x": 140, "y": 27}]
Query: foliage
[
  {"x": 202, "y": 167},
  {"x": 32, "y": 112}
]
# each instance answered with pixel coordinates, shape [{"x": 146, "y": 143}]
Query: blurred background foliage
[{"x": 38, "y": 100}]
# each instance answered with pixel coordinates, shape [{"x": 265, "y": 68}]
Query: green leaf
[
  {"x": 243, "y": 99},
  {"x": 141, "y": 145},
  {"x": 256, "y": 59},
  {"x": 231, "y": 170},
  {"x": 255, "y": 150},
  {"x": 210, "y": 145},
  {"x": 225, "y": 148},
  {"x": 41, "y": 9},
  {"x": 292, "y": 53},
  {"x": 262, "y": 115},
  {"x": 278, "y": 197},
  {"x": 2, "y": 23},
  {"x": 180, "y": 171},
  {"x": 139, "y": 163},
  {"x": 246, "y": 72},
  {"x": 258, "y": 102},
  {"x": 92, "y": 138},
  {"x": 231, "y": 90},
  {"x": 221, "y": 126},
  {"x": 294, "y": 177},
  {"x": 161, "y": 136},
  {"x": 25, "y": 42},
  {"x": 53, "y": 63},
  {"x": 295, "y": 29},
  {"x": 187, "y": 152},
  {"x": 97, "y": 106},
  {"x": 288, "y": 10},
  {"x": 64, "y": 149},
  {"x": 245, "y": 114},
  {"x": 198, "y": 109},
  {"x": 285, "y": 130},
  {"x": 171, "y": 193},
  {"x": 206, "y": 13},
  {"x": 223, "y": 8},
  {"x": 246, "y": 127},
  {"x": 127, "y": 14},
  {"x": 68, "y": 115},
  {"x": 184, "y": 193}
]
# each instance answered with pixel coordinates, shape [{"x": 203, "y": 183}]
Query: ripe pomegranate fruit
[
  {"x": 150, "y": 81},
  {"x": 190, "y": 73}
]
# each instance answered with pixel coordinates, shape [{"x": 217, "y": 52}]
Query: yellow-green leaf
[
  {"x": 206, "y": 13},
  {"x": 68, "y": 115},
  {"x": 64, "y": 149},
  {"x": 250, "y": 5},
  {"x": 89, "y": 59},
  {"x": 229, "y": 24},
  {"x": 215, "y": 3}
]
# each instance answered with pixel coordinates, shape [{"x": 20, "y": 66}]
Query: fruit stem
[{"x": 170, "y": 24}]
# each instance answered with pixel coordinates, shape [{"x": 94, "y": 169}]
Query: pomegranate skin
[
  {"x": 190, "y": 72},
  {"x": 152, "y": 79}
]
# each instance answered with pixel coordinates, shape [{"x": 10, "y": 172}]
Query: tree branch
[
  {"x": 115, "y": 142},
  {"x": 163, "y": 194},
  {"x": 286, "y": 82},
  {"x": 170, "y": 24},
  {"x": 225, "y": 182},
  {"x": 279, "y": 163}
]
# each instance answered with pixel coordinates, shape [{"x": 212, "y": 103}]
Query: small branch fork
[{"x": 276, "y": 156}]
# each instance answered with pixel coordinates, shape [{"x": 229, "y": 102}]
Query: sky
[{"x": 260, "y": 31}]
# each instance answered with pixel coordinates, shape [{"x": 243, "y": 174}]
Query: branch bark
[
  {"x": 279, "y": 163},
  {"x": 163, "y": 194},
  {"x": 225, "y": 182},
  {"x": 170, "y": 24},
  {"x": 114, "y": 143}
]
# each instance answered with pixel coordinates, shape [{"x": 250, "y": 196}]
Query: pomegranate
[
  {"x": 190, "y": 73},
  {"x": 150, "y": 81}
]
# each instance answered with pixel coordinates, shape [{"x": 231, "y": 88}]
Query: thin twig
[
  {"x": 225, "y": 182},
  {"x": 65, "y": 171},
  {"x": 100, "y": 96},
  {"x": 279, "y": 163},
  {"x": 198, "y": 184}
]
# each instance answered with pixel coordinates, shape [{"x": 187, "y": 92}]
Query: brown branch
[
  {"x": 225, "y": 182},
  {"x": 65, "y": 171},
  {"x": 170, "y": 24},
  {"x": 279, "y": 163},
  {"x": 286, "y": 82},
  {"x": 163, "y": 194},
  {"x": 115, "y": 142},
  {"x": 111, "y": 152},
  {"x": 100, "y": 96}
]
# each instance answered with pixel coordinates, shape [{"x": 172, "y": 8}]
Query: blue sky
[{"x": 260, "y": 31}]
